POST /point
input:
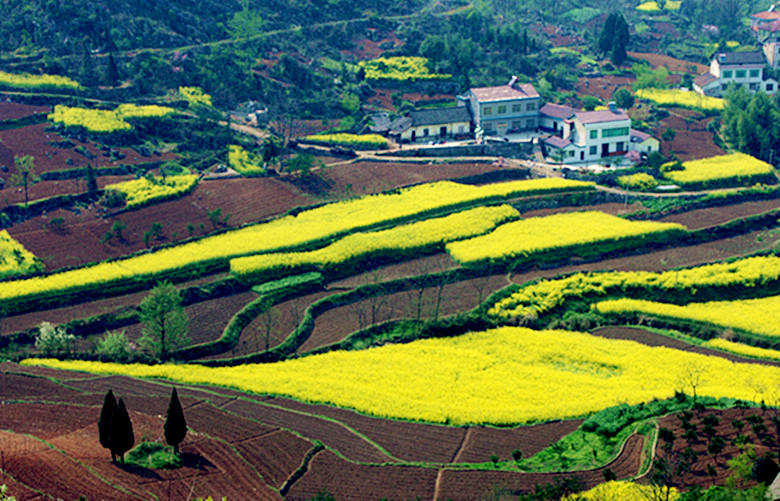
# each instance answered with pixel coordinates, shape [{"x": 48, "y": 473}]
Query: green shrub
[{"x": 154, "y": 455}]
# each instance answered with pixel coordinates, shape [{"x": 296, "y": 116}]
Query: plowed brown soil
[{"x": 348, "y": 481}]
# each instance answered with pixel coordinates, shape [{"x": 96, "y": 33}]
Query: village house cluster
[{"x": 515, "y": 112}]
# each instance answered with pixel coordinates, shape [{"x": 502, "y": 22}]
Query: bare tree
[
  {"x": 693, "y": 376},
  {"x": 268, "y": 320}
]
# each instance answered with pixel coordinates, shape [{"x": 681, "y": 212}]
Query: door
[
  {"x": 605, "y": 149},
  {"x": 443, "y": 131}
]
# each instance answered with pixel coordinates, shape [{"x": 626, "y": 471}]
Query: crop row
[
  {"x": 399, "y": 68},
  {"x": 682, "y": 98},
  {"x": 15, "y": 260},
  {"x": 759, "y": 316},
  {"x": 523, "y": 238},
  {"x": 540, "y": 297},
  {"x": 502, "y": 376},
  {"x": 28, "y": 81},
  {"x": 726, "y": 170},
  {"x": 395, "y": 242},
  {"x": 150, "y": 189},
  {"x": 307, "y": 228},
  {"x": 357, "y": 141},
  {"x": 243, "y": 162},
  {"x": 742, "y": 349},
  {"x": 106, "y": 121}
]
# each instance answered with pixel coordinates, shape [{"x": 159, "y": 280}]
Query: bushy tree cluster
[
  {"x": 751, "y": 124},
  {"x": 115, "y": 430}
]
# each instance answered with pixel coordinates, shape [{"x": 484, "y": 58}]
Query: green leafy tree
[
  {"x": 669, "y": 134},
  {"x": 104, "y": 423},
  {"x": 25, "y": 175},
  {"x": 53, "y": 340},
  {"x": 165, "y": 324},
  {"x": 121, "y": 435},
  {"x": 623, "y": 98},
  {"x": 113, "y": 346},
  {"x": 175, "y": 425},
  {"x": 117, "y": 228}
]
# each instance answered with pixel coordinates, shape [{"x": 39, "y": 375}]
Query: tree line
[{"x": 115, "y": 429}]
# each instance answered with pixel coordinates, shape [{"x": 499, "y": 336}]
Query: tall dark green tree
[
  {"x": 121, "y": 434},
  {"x": 175, "y": 425},
  {"x": 104, "y": 423},
  {"x": 91, "y": 179},
  {"x": 607, "y": 34},
  {"x": 614, "y": 38}
]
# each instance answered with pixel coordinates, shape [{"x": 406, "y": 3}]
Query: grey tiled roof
[{"x": 440, "y": 116}]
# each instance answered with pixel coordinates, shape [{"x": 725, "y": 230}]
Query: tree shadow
[
  {"x": 140, "y": 471},
  {"x": 195, "y": 461}
]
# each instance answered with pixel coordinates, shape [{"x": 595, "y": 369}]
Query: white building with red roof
[{"x": 504, "y": 109}]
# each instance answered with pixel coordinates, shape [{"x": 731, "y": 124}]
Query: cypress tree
[
  {"x": 104, "y": 423},
  {"x": 175, "y": 424},
  {"x": 121, "y": 435}
]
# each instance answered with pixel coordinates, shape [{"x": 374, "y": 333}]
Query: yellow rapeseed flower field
[
  {"x": 742, "y": 349},
  {"x": 684, "y": 98},
  {"x": 542, "y": 296},
  {"x": 735, "y": 165},
  {"x": 759, "y": 316},
  {"x": 622, "y": 490},
  {"x": 402, "y": 238},
  {"x": 244, "y": 162},
  {"x": 538, "y": 234},
  {"x": 28, "y": 81},
  {"x": 306, "y": 227},
  {"x": 142, "y": 191},
  {"x": 15, "y": 260},
  {"x": 105, "y": 120},
  {"x": 362, "y": 141},
  {"x": 399, "y": 68},
  {"x": 501, "y": 376}
]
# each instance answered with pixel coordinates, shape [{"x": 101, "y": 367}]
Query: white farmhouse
[
  {"x": 738, "y": 68},
  {"x": 504, "y": 109},
  {"x": 590, "y": 136}
]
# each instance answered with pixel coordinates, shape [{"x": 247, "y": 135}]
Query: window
[
  {"x": 487, "y": 110},
  {"x": 770, "y": 87},
  {"x": 740, "y": 74},
  {"x": 530, "y": 107},
  {"x": 618, "y": 131},
  {"x": 755, "y": 73},
  {"x": 593, "y": 150},
  {"x": 517, "y": 108},
  {"x": 517, "y": 124},
  {"x": 727, "y": 73},
  {"x": 425, "y": 132},
  {"x": 501, "y": 110},
  {"x": 532, "y": 124},
  {"x": 571, "y": 154},
  {"x": 754, "y": 86},
  {"x": 620, "y": 147},
  {"x": 594, "y": 134}
]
